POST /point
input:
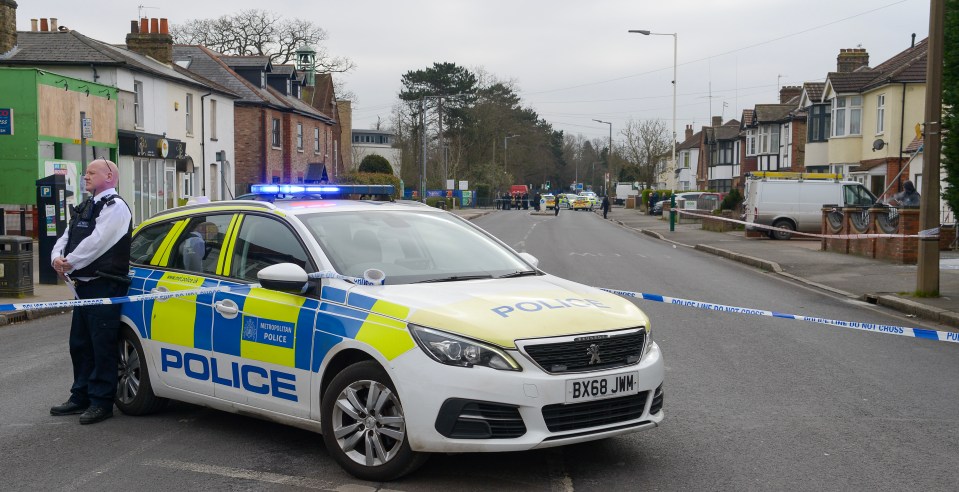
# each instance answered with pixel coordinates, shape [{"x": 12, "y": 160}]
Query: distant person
[
  {"x": 536, "y": 198},
  {"x": 653, "y": 199},
  {"x": 605, "y": 206},
  {"x": 525, "y": 201},
  {"x": 908, "y": 197},
  {"x": 556, "y": 205}
]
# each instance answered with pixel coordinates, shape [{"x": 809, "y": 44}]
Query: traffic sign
[{"x": 87, "y": 127}]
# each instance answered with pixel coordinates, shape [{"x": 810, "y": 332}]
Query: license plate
[{"x": 602, "y": 387}]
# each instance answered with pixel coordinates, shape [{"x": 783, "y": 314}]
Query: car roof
[{"x": 291, "y": 207}]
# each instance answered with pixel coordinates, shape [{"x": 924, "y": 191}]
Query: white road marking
[{"x": 223, "y": 471}]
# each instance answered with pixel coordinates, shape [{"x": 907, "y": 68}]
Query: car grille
[
  {"x": 561, "y": 417},
  {"x": 577, "y": 355}
]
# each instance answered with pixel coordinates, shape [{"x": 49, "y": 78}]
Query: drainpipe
[
  {"x": 203, "y": 144},
  {"x": 902, "y": 122}
]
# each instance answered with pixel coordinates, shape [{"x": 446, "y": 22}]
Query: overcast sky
[{"x": 571, "y": 61}]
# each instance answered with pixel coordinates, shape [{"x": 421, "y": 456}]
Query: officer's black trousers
[{"x": 93, "y": 344}]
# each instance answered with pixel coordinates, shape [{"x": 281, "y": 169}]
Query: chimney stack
[
  {"x": 850, "y": 59},
  {"x": 788, "y": 92},
  {"x": 8, "y": 25},
  {"x": 689, "y": 132},
  {"x": 44, "y": 26},
  {"x": 152, "y": 39},
  {"x": 34, "y": 25},
  {"x": 717, "y": 121}
]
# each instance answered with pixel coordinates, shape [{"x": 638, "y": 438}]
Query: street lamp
[
  {"x": 675, "y": 44},
  {"x": 505, "y": 148},
  {"x": 609, "y": 155}
]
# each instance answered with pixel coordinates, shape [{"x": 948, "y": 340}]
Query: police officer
[{"x": 94, "y": 253}]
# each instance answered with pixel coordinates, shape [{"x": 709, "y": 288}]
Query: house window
[
  {"x": 276, "y": 133},
  {"x": 880, "y": 114},
  {"x": 751, "y": 142},
  {"x": 846, "y": 115},
  {"x": 685, "y": 159},
  {"x": 289, "y": 88},
  {"x": 316, "y": 140},
  {"x": 212, "y": 119},
  {"x": 189, "y": 114},
  {"x": 138, "y": 104},
  {"x": 299, "y": 137},
  {"x": 818, "y": 123},
  {"x": 769, "y": 139}
]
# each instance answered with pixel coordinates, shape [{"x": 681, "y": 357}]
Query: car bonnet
[{"x": 500, "y": 311}]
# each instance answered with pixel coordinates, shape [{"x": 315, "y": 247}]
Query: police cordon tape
[
  {"x": 942, "y": 336},
  {"x": 159, "y": 296},
  {"x": 372, "y": 279},
  {"x": 929, "y": 233}
]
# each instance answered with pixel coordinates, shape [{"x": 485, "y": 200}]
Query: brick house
[
  {"x": 278, "y": 137},
  {"x": 687, "y": 160},
  {"x": 774, "y": 138},
  {"x": 719, "y": 156}
]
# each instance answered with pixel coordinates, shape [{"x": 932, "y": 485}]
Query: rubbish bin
[{"x": 16, "y": 266}]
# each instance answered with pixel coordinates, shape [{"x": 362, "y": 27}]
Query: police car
[{"x": 392, "y": 328}]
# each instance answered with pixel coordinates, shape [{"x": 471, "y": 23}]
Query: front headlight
[
  {"x": 459, "y": 351},
  {"x": 649, "y": 338}
]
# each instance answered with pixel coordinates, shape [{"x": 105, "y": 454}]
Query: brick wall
[
  {"x": 798, "y": 128},
  {"x": 8, "y": 25},
  {"x": 249, "y": 137}
]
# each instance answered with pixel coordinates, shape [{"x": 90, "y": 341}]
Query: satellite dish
[{"x": 878, "y": 144}]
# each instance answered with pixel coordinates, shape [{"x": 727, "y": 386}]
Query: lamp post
[
  {"x": 670, "y": 175},
  {"x": 505, "y": 148},
  {"x": 609, "y": 154}
]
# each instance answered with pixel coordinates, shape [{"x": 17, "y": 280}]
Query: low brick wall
[
  {"x": 880, "y": 220},
  {"x": 717, "y": 224}
]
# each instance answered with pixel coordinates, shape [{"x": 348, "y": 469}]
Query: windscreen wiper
[
  {"x": 454, "y": 278},
  {"x": 521, "y": 273}
]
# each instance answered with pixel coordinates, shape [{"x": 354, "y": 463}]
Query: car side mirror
[
  {"x": 284, "y": 277},
  {"x": 532, "y": 260}
]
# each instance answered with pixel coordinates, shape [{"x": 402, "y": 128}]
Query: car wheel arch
[{"x": 341, "y": 361}]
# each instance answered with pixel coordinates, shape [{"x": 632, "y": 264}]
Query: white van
[{"x": 795, "y": 202}]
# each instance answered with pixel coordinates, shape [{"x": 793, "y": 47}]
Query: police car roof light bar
[{"x": 297, "y": 189}]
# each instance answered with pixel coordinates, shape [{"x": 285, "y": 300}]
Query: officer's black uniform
[{"x": 95, "y": 329}]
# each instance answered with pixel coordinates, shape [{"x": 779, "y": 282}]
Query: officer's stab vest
[{"x": 116, "y": 260}]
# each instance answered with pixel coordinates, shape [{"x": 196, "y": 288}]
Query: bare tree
[
  {"x": 647, "y": 144},
  {"x": 257, "y": 32}
]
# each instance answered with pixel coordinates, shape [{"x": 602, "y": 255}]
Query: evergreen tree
[
  {"x": 950, "y": 104},
  {"x": 375, "y": 163}
]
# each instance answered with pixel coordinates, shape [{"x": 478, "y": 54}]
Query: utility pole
[{"x": 927, "y": 271}]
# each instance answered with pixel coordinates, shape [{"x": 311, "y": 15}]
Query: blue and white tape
[
  {"x": 928, "y": 233},
  {"x": 155, "y": 296},
  {"x": 942, "y": 336}
]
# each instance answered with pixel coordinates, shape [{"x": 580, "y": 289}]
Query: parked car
[
  {"x": 657, "y": 208},
  {"x": 549, "y": 201},
  {"x": 581, "y": 203},
  {"x": 350, "y": 319}
]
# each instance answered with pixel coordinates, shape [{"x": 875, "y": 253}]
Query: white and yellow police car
[{"x": 417, "y": 332}]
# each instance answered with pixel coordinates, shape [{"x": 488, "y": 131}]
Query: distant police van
[
  {"x": 794, "y": 201},
  {"x": 463, "y": 346}
]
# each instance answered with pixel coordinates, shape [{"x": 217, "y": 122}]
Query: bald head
[{"x": 101, "y": 174}]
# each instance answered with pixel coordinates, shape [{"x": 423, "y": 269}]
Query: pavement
[{"x": 800, "y": 260}]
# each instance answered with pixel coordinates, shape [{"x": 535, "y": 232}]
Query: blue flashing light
[{"x": 302, "y": 189}]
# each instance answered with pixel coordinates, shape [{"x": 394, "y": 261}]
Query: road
[{"x": 752, "y": 403}]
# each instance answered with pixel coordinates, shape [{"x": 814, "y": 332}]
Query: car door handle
[{"x": 227, "y": 308}]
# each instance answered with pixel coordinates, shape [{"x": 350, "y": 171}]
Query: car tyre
[
  {"x": 364, "y": 427},
  {"x": 782, "y": 224},
  {"x": 134, "y": 389}
]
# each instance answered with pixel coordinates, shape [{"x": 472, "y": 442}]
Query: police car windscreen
[{"x": 409, "y": 246}]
